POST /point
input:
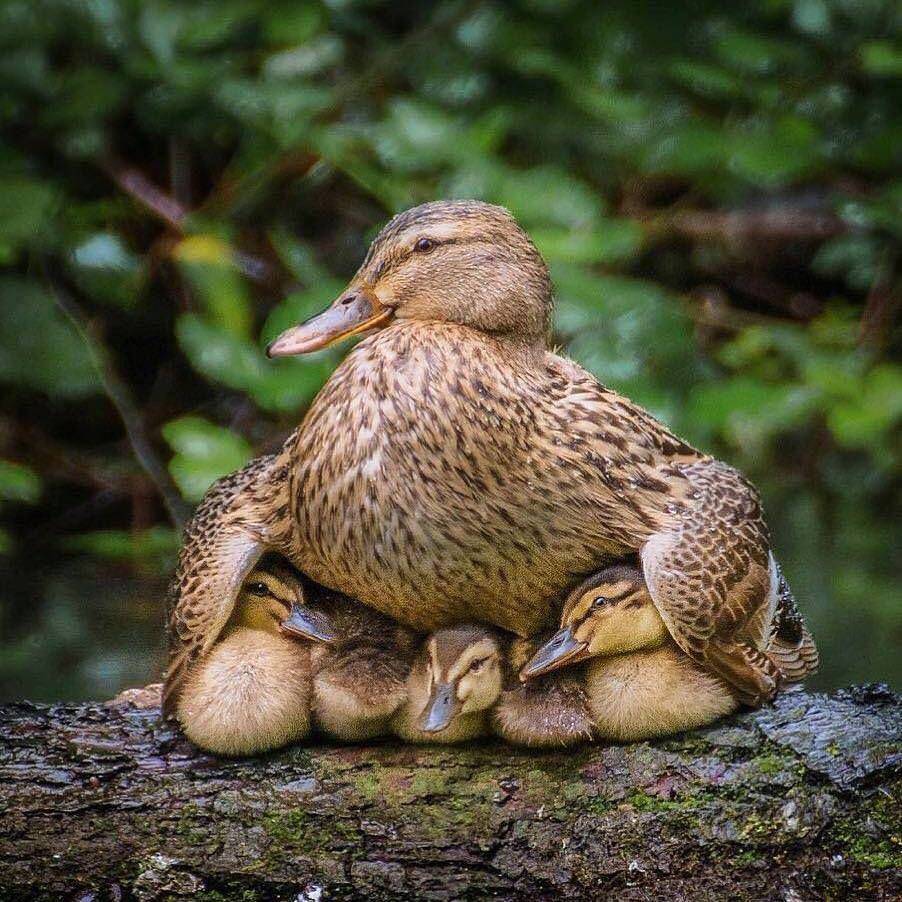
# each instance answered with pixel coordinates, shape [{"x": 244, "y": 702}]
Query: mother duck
[{"x": 455, "y": 469}]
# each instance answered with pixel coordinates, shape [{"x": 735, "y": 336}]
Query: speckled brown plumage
[
  {"x": 453, "y": 468},
  {"x": 788, "y": 642},
  {"x": 476, "y": 480},
  {"x": 231, "y": 524}
]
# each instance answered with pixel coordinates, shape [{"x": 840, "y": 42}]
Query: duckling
[
  {"x": 252, "y": 692},
  {"x": 549, "y": 711},
  {"x": 463, "y": 685},
  {"x": 455, "y": 680},
  {"x": 360, "y": 660},
  {"x": 614, "y": 612},
  {"x": 639, "y": 682},
  {"x": 455, "y": 468}
]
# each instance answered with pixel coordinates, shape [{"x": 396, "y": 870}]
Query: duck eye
[
  {"x": 425, "y": 244},
  {"x": 599, "y": 602},
  {"x": 259, "y": 589},
  {"x": 477, "y": 665}
]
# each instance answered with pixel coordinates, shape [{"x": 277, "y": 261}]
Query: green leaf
[
  {"x": 546, "y": 196},
  {"x": 610, "y": 241},
  {"x": 209, "y": 264},
  {"x": 755, "y": 54},
  {"x": 39, "y": 349},
  {"x": 747, "y": 412},
  {"x": 299, "y": 257},
  {"x": 25, "y": 206},
  {"x": 107, "y": 270},
  {"x": 156, "y": 546},
  {"x": 882, "y": 58},
  {"x": 706, "y": 80},
  {"x": 305, "y": 59},
  {"x": 277, "y": 385},
  {"x": 773, "y": 155},
  {"x": 872, "y": 412},
  {"x": 18, "y": 482},
  {"x": 693, "y": 149},
  {"x": 203, "y": 453}
]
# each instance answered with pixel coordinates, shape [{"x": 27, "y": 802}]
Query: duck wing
[
  {"x": 788, "y": 641},
  {"x": 710, "y": 577},
  {"x": 223, "y": 541}
]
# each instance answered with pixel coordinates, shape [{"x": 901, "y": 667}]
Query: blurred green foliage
[{"x": 716, "y": 189}]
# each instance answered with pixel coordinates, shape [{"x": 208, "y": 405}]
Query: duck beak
[
  {"x": 356, "y": 311},
  {"x": 561, "y": 649},
  {"x": 440, "y": 710},
  {"x": 305, "y": 623}
]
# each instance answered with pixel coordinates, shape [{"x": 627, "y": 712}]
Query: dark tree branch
[
  {"x": 140, "y": 188},
  {"x": 881, "y": 308},
  {"x": 175, "y": 214},
  {"x": 800, "y": 801},
  {"x": 120, "y": 397},
  {"x": 782, "y": 223}
]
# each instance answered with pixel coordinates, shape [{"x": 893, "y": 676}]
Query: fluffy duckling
[
  {"x": 252, "y": 692},
  {"x": 463, "y": 685},
  {"x": 547, "y": 712},
  {"x": 639, "y": 684},
  {"x": 455, "y": 680},
  {"x": 360, "y": 661}
]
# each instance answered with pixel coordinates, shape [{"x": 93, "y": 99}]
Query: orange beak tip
[{"x": 293, "y": 342}]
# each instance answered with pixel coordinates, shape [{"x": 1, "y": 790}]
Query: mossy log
[{"x": 797, "y": 801}]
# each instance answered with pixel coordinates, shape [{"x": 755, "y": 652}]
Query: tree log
[{"x": 797, "y": 801}]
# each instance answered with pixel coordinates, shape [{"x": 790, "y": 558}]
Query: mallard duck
[
  {"x": 455, "y": 469},
  {"x": 253, "y": 691},
  {"x": 360, "y": 661},
  {"x": 463, "y": 685},
  {"x": 639, "y": 682}
]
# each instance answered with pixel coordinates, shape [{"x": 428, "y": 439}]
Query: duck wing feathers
[
  {"x": 223, "y": 541},
  {"x": 710, "y": 577}
]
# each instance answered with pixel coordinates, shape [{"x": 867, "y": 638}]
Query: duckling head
[
  {"x": 464, "y": 262},
  {"x": 611, "y": 613},
  {"x": 267, "y": 596},
  {"x": 464, "y": 667}
]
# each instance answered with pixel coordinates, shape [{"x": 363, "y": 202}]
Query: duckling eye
[
  {"x": 599, "y": 602},
  {"x": 424, "y": 245},
  {"x": 259, "y": 589},
  {"x": 477, "y": 665}
]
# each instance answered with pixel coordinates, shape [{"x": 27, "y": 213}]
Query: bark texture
[{"x": 795, "y": 802}]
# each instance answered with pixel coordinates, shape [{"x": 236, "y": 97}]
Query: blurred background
[{"x": 716, "y": 188}]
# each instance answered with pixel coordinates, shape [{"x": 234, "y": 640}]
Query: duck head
[
  {"x": 611, "y": 613},
  {"x": 464, "y": 667},
  {"x": 463, "y": 262}
]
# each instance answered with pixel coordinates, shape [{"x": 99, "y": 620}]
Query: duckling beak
[
  {"x": 305, "y": 623},
  {"x": 440, "y": 710},
  {"x": 561, "y": 649},
  {"x": 356, "y": 311}
]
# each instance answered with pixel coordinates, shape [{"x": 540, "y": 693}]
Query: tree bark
[{"x": 794, "y": 802}]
